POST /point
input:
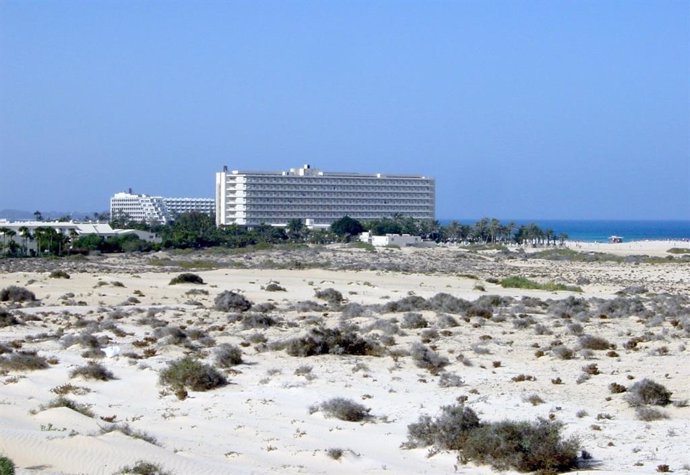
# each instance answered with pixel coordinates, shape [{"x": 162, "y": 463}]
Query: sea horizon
[{"x": 599, "y": 230}]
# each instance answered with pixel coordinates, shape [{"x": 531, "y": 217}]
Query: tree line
[{"x": 198, "y": 230}]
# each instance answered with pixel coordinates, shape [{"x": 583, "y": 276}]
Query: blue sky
[{"x": 520, "y": 109}]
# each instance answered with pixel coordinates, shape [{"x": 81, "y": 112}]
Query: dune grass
[{"x": 519, "y": 282}]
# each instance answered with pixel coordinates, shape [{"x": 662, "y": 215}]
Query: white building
[
  {"x": 400, "y": 240},
  {"x": 156, "y": 209},
  {"x": 319, "y": 198}
]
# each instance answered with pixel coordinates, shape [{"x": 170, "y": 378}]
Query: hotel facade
[
  {"x": 319, "y": 198},
  {"x": 156, "y": 209}
]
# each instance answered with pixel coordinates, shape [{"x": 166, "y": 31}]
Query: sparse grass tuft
[
  {"x": 62, "y": 401},
  {"x": 519, "y": 282},
  {"x": 94, "y": 371},
  {"x": 127, "y": 430}
]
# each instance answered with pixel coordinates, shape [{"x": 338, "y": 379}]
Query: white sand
[{"x": 261, "y": 423}]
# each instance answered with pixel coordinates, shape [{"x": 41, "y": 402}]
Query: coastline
[{"x": 649, "y": 247}]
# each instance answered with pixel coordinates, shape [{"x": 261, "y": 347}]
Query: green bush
[
  {"x": 519, "y": 282},
  {"x": 522, "y": 446},
  {"x": 6, "y": 466},
  {"x": 505, "y": 445},
  {"x": 192, "y": 374},
  {"x": 142, "y": 467},
  {"x": 187, "y": 278}
]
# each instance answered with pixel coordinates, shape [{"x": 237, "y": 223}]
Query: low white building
[{"x": 400, "y": 240}]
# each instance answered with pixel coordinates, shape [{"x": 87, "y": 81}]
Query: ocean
[{"x": 600, "y": 230}]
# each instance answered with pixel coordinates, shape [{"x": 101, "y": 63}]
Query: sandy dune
[{"x": 261, "y": 421}]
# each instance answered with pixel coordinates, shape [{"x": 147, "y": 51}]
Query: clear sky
[{"x": 520, "y": 109}]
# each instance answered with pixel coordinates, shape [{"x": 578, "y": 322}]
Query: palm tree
[{"x": 25, "y": 233}]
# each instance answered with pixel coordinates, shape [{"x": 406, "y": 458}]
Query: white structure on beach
[
  {"x": 156, "y": 209},
  {"x": 319, "y": 198},
  {"x": 400, "y": 240}
]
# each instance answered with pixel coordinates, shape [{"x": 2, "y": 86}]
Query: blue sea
[{"x": 600, "y": 230}]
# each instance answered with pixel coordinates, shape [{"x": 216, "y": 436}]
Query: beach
[{"x": 507, "y": 353}]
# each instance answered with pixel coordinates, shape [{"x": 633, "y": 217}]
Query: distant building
[
  {"x": 156, "y": 209},
  {"x": 400, "y": 240},
  {"x": 319, "y": 198}
]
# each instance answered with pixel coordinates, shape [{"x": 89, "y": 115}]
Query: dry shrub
[
  {"x": 563, "y": 352},
  {"x": 62, "y": 401},
  {"x": 334, "y": 341},
  {"x": 413, "y": 320},
  {"x": 187, "y": 278},
  {"x": 411, "y": 303},
  {"x": 128, "y": 431},
  {"x": 649, "y": 414},
  {"x": 192, "y": 374},
  {"x": 331, "y": 296},
  {"x": 142, "y": 467},
  {"x": 448, "y": 432},
  {"x": 23, "y": 361},
  {"x": 93, "y": 371},
  {"x": 257, "y": 320},
  {"x": 522, "y": 446},
  {"x": 443, "y": 302},
  {"x": 7, "y": 319},
  {"x": 505, "y": 445},
  {"x": 353, "y": 310},
  {"x": 59, "y": 274},
  {"x": 16, "y": 294},
  {"x": 345, "y": 410},
  {"x": 647, "y": 391},
  {"x": 590, "y": 342},
  {"x": 229, "y": 301},
  {"x": 616, "y": 388},
  {"x": 274, "y": 287},
  {"x": 228, "y": 355},
  {"x": 427, "y": 358}
]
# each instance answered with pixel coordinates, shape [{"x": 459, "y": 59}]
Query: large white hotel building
[
  {"x": 156, "y": 209},
  {"x": 319, "y": 198}
]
